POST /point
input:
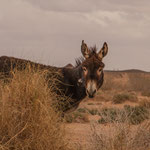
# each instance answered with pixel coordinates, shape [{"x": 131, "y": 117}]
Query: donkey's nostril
[{"x": 91, "y": 96}]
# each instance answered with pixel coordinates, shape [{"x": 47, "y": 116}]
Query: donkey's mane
[
  {"x": 93, "y": 49},
  {"x": 79, "y": 61}
]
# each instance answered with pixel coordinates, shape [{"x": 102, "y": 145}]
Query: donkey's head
[{"x": 92, "y": 68}]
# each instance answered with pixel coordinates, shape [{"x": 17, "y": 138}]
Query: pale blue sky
[{"x": 51, "y": 31}]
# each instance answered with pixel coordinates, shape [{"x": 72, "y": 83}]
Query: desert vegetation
[
  {"x": 120, "y": 136},
  {"x": 118, "y": 118},
  {"x": 29, "y": 119}
]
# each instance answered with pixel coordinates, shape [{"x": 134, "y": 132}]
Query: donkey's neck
[
  {"x": 71, "y": 78},
  {"x": 72, "y": 75}
]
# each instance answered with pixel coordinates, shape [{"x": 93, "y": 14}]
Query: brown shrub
[
  {"x": 120, "y": 136},
  {"x": 27, "y": 119}
]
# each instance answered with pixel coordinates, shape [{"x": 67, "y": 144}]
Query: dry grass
[
  {"x": 120, "y": 136},
  {"x": 27, "y": 119},
  {"x": 126, "y": 128}
]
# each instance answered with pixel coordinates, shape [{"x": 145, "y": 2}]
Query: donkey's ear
[
  {"x": 103, "y": 52},
  {"x": 84, "y": 49}
]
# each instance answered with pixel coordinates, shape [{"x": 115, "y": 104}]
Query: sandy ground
[{"x": 78, "y": 134}]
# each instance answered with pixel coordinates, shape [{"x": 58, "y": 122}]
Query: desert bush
[
  {"x": 93, "y": 111},
  {"x": 134, "y": 115},
  {"x": 28, "y": 120},
  {"x": 122, "y": 97},
  {"x": 76, "y": 116},
  {"x": 81, "y": 110},
  {"x": 110, "y": 115},
  {"x": 120, "y": 136},
  {"x": 90, "y": 103},
  {"x": 137, "y": 114},
  {"x": 69, "y": 118}
]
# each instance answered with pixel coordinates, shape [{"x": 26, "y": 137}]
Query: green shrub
[
  {"x": 120, "y": 98},
  {"x": 90, "y": 104},
  {"x": 82, "y": 110},
  {"x": 93, "y": 111},
  {"x": 110, "y": 115},
  {"x": 137, "y": 114},
  {"x": 132, "y": 115}
]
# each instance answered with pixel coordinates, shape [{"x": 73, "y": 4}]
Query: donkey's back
[{"x": 8, "y": 64}]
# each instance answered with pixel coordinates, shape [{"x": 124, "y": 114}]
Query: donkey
[{"x": 76, "y": 82}]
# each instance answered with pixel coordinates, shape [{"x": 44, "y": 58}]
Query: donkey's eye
[
  {"x": 84, "y": 69},
  {"x": 99, "y": 71}
]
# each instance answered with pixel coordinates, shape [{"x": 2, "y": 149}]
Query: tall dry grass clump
[{"x": 27, "y": 119}]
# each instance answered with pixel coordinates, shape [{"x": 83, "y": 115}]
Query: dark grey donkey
[{"x": 76, "y": 82}]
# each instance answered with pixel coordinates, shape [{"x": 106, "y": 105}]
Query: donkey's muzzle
[
  {"x": 91, "y": 88},
  {"x": 91, "y": 93}
]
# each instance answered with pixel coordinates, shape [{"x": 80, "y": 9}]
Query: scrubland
[{"x": 118, "y": 118}]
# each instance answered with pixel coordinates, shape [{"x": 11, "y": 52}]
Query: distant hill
[
  {"x": 128, "y": 71},
  {"x": 132, "y": 79}
]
